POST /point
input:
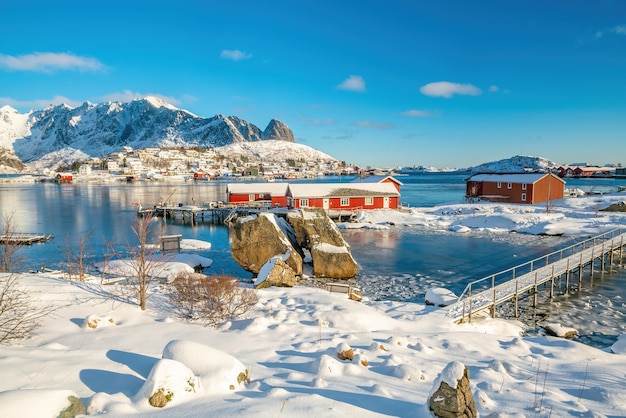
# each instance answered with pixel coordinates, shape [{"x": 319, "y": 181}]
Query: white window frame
[
  {"x": 509, "y": 186},
  {"x": 251, "y": 197},
  {"x": 499, "y": 185},
  {"x": 303, "y": 203},
  {"x": 369, "y": 201},
  {"x": 523, "y": 186},
  {"x": 345, "y": 201},
  {"x": 523, "y": 197}
]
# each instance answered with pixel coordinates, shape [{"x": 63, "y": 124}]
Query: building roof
[
  {"x": 274, "y": 189},
  {"x": 300, "y": 190},
  {"x": 376, "y": 179},
  {"x": 528, "y": 178}
]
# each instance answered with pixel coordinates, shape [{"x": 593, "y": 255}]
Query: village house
[
  {"x": 64, "y": 177},
  {"x": 265, "y": 194},
  {"x": 528, "y": 188}
]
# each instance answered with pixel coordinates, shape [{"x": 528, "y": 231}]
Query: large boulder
[
  {"x": 256, "y": 239},
  {"x": 330, "y": 254},
  {"x": 451, "y": 395}
]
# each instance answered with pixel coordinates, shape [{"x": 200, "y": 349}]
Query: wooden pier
[
  {"x": 210, "y": 213},
  {"x": 525, "y": 280},
  {"x": 24, "y": 238}
]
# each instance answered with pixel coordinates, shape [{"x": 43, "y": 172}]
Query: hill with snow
[
  {"x": 518, "y": 163},
  {"x": 96, "y": 130}
]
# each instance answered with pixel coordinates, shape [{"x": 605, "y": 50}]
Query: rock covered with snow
[
  {"x": 451, "y": 395},
  {"x": 57, "y": 402},
  {"x": 619, "y": 346},
  {"x": 275, "y": 273},
  {"x": 558, "y": 330},
  {"x": 439, "y": 296},
  {"x": 170, "y": 382},
  {"x": 217, "y": 371}
]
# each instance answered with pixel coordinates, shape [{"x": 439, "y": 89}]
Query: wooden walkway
[
  {"x": 524, "y": 280},
  {"x": 23, "y": 238},
  {"x": 215, "y": 214}
]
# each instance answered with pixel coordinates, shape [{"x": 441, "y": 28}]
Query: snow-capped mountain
[
  {"x": 99, "y": 129},
  {"x": 517, "y": 163}
]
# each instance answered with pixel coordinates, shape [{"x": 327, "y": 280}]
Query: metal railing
[{"x": 492, "y": 280}]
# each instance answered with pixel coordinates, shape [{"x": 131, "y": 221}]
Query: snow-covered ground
[
  {"x": 579, "y": 216},
  {"x": 288, "y": 345}
]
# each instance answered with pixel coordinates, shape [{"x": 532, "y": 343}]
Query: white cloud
[
  {"x": 615, "y": 30},
  {"x": 447, "y": 89},
  {"x": 38, "y": 103},
  {"x": 235, "y": 55},
  {"x": 494, "y": 89},
  {"x": 417, "y": 113},
  {"x": 372, "y": 125},
  {"x": 48, "y": 62},
  {"x": 353, "y": 83},
  {"x": 319, "y": 122},
  {"x": 128, "y": 95}
]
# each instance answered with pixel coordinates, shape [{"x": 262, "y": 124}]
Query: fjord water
[{"x": 396, "y": 264}]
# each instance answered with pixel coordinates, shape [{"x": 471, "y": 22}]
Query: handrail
[{"x": 532, "y": 263}]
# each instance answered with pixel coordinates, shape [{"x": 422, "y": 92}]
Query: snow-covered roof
[
  {"x": 376, "y": 179},
  {"x": 528, "y": 178},
  {"x": 341, "y": 189},
  {"x": 277, "y": 189}
]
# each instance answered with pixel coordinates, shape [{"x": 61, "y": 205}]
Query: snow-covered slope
[
  {"x": 274, "y": 150},
  {"x": 99, "y": 129},
  {"x": 517, "y": 163}
]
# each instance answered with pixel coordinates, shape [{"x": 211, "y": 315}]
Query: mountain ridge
[{"x": 103, "y": 128}]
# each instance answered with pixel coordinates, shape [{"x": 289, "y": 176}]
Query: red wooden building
[
  {"x": 330, "y": 196},
  {"x": 529, "y": 188},
  {"x": 344, "y": 196},
  {"x": 267, "y": 194},
  {"x": 64, "y": 177}
]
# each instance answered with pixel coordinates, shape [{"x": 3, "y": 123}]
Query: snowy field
[{"x": 287, "y": 346}]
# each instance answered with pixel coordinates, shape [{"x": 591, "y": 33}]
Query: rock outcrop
[
  {"x": 330, "y": 253},
  {"x": 451, "y": 396},
  {"x": 258, "y": 239}
]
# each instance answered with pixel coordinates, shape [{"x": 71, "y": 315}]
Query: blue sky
[{"x": 438, "y": 83}]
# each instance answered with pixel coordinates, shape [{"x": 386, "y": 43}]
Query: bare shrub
[
  {"x": 18, "y": 316},
  {"x": 212, "y": 299}
]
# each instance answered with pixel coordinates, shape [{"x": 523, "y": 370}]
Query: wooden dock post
[
  {"x": 567, "y": 273},
  {"x": 516, "y": 298},
  {"x": 552, "y": 283},
  {"x": 535, "y": 292},
  {"x": 602, "y": 261}
]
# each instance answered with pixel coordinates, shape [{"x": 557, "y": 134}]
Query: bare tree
[
  {"x": 9, "y": 244},
  {"x": 76, "y": 255},
  {"x": 18, "y": 316},
  {"x": 144, "y": 262}
]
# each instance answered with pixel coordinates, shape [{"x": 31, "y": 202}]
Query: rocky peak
[{"x": 278, "y": 130}]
